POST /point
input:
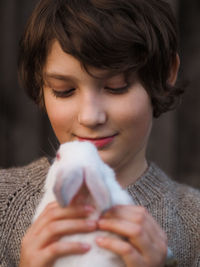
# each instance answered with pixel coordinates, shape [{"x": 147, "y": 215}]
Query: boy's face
[{"x": 114, "y": 115}]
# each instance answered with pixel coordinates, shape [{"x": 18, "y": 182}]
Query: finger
[
  {"x": 128, "y": 253},
  {"x": 54, "y": 212},
  {"x": 57, "y": 229},
  {"x": 151, "y": 249},
  {"x": 60, "y": 249},
  {"x": 133, "y": 232},
  {"x": 135, "y": 214},
  {"x": 119, "y": 210},
  {"x": 138, "y": 215}
]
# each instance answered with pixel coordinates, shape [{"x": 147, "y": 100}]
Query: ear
[
  {"x": 68, "y": 185},
  {"x": 174, "y": 70},
  {"x": 98, "y": 188}
]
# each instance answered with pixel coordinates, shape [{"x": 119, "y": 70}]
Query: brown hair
[{"x": 125, "y": 36}]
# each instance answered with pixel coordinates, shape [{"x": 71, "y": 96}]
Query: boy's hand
[
  {"x": 41, "y": 246},
  {"x": 143, "y": 243}
]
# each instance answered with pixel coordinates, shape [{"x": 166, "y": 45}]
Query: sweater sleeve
[
  {"x": 197, "y": 261},
  {"x": 176, "y": 207},
  {"x": 20, "y": 191}
]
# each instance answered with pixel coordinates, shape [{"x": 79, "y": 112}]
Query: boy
[{"x": 102, "y": 69}]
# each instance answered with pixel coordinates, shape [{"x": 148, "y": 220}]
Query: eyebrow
[
  {"x": 67, "y": 78},
  {"x": 57, "y": 76}
]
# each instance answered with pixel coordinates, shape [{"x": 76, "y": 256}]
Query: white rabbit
[{"x": 77, "y": 166}]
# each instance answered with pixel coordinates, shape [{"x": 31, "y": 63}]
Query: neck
[{"x": 127, "y": 175}]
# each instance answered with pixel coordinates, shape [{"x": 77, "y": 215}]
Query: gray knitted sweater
[{"x": 175, "y": 207}]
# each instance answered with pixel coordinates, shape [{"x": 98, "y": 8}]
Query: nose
[{"x": 91, "y": 111}]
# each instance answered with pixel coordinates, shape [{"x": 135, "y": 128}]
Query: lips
[{"x": 99, "y": 142}]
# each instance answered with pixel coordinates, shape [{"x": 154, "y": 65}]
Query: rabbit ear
[
  {"x": 67, "y": 186},
  {"x": 98, "y": 189}
]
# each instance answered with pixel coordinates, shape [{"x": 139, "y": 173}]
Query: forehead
[{"x": 58, "y": 63}]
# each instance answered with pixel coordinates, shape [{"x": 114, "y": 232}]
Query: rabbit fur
[{"x": 78, "y": 164}]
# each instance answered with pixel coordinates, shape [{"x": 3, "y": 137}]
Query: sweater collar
[{"x": 151, "y": 186}]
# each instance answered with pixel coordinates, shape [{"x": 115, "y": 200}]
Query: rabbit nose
[{"x": 91, "y": 111}]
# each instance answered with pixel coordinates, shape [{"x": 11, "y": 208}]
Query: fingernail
[
  {"x": 89, "y": 209},
  {"x": 99, "y": 240},
  {"x": 85, "y": 247},
  {"x": 102, "y": 222},
  {"x": 91, "y": 223}
]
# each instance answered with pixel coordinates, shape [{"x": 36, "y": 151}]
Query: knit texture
[{"x": 175, "y": 207}]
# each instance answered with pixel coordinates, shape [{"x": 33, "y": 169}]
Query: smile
[{"x": 99, "y": 142}]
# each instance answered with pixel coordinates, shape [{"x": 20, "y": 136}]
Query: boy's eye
[
  {"x": 70, "y": 92},
  {"x": 63, "y": 94},
  {"x": 117, "y": 90}
]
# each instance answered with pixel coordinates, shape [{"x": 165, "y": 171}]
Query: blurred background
[{"x": 25, "y": 132}]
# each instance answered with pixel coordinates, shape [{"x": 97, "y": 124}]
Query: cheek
[
  {"x": 61, "y": 116},
  {"x": 136, "y": 115},
  {"x": 142, "y": 122}
]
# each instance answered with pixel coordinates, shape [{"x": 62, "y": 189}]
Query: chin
[{"x": 107, "y": 157}]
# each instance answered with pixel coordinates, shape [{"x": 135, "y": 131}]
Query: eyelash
[
  {"x": 63, "y": 94},
  {"x": 119, "y": 90},
  {"x": 70, "y": 92}
]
